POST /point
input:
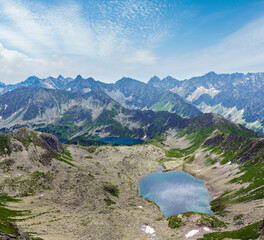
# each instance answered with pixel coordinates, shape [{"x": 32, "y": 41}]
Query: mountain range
[
  {"x": 238, "y": 97},
  {"x": 128, "y": 92},
  {"x": 79, "y": 116}
]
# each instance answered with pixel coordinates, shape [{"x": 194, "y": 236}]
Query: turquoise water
[
  {"x": 175, "y": 192},
  {"x": 118, "y": 140}
]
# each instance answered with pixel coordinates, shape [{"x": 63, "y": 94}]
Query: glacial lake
[
  {"x": 175, "y": 192},
  {"x": 118, "y": 140}
]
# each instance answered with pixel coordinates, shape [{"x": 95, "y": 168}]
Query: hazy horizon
[{"x": 144, "y": 80}]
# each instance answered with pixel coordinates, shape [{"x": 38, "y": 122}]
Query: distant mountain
[
  {"x": 33, "y": 81},
  {"x": 71, "y": 115},
  {"x": 134, "y": 94},
  {"x": 236, "y": 96},
  {"x": 67, "y": 114},
  {"x": 128, "y": 92},
  {"x": 35, "y": 107}
]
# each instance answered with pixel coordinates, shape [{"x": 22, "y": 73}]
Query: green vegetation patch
[
  {"x": 162, "y": 106},
  {"x": 62, "y": 131},
  {"x": 249, "y": 155},
  {"x": 252, "y": 174},
  {"x": 218, "y": 205},
  {"x": 109, "y": 201},
  {"x": 5, "y": 146},
  {"x": 37, "y": 182},
  {"x": 8, "y": 227},
  {"x": 26, "y": 137},
  {"x": 245, "y": 233},
  {"x": 6, "y": 164},
  {"x": 238, "y": 217},
  {"x": 226, "y": 128},
  {"x": 7, "y": 216},
  {"x": 196, "y": 137},
  {"x": 157, "y": 141},
  {"x": 65, "y": 156},
  {"x": 175, "y": 222},
  {"x": 66, "y": 152},
  {"x": 199, "y": 219},
  {"x": 113, "y": 190},
  {"x": 161, "y": 161},
  {"x": 210, "y": 221},
  {"x": 65, "y": 159},
  {"x": 178, "y": 153}
]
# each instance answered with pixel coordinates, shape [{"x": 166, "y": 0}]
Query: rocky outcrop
[{"x": 51, "y": 142}]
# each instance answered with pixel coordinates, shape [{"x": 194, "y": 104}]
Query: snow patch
[
  {"x": 179, "y": 90},
  {"x": 207, "y": 229},
  {"x": 48, "y": 85},
  {"x": 118, "y": 96},
  {"x": 5, "y": 106},
  {"x": 254, "y": 125},
  {"x": 140, "y": 207},
  {"x": 69, "y": 89},
  {"x": 200, "y": 91},
  {"x": 18, "y": 174},
  {"x": 148, "y": 230},
  {"x": 230, "y": 113},
  {"x": 191, "y": 233},
  {"x": 1, "y": 90},
  {"x": 86, "y": 90}
]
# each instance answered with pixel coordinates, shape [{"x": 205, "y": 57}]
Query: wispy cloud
[
  {"x": 97, "y": 31},
  {"x": 142, "y": 57},
  {"x": 108, "y": 39},
  {"x": 99, "y": 35}
]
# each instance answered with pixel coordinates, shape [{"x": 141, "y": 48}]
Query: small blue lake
[
  {"x": 118, "y": 140},
  {"x": 175, "y": 192}
]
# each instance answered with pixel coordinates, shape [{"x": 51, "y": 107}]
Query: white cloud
[
  {"x": 142, "y": 57},
  {"x": 16, "y": 67},
  {"x": 108, "y": 40},
  {"x": 99, "y": 30},
  {"x": 105, "y": 41}
]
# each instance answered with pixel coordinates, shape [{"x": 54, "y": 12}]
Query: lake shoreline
[{"x": 176, "y": 192}]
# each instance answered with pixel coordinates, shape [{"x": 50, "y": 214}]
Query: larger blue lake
[
  {"x": 119, "y": 140},
  {"x": 175, "y": 192}
]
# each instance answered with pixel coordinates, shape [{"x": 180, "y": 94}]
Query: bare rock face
[{"x": 51, "y": 142}]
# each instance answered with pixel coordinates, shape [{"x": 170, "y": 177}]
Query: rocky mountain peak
[{"x": 79, "y": 77}]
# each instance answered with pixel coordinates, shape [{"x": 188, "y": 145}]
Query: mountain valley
[
  {"x": 81, "y": 189},
  {"x": 72, "y": 192}
]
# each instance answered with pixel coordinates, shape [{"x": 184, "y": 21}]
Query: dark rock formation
[{"x": 51, "y": 142}]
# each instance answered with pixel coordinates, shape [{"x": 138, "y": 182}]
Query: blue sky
[{"x": 109, "y": 39}]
